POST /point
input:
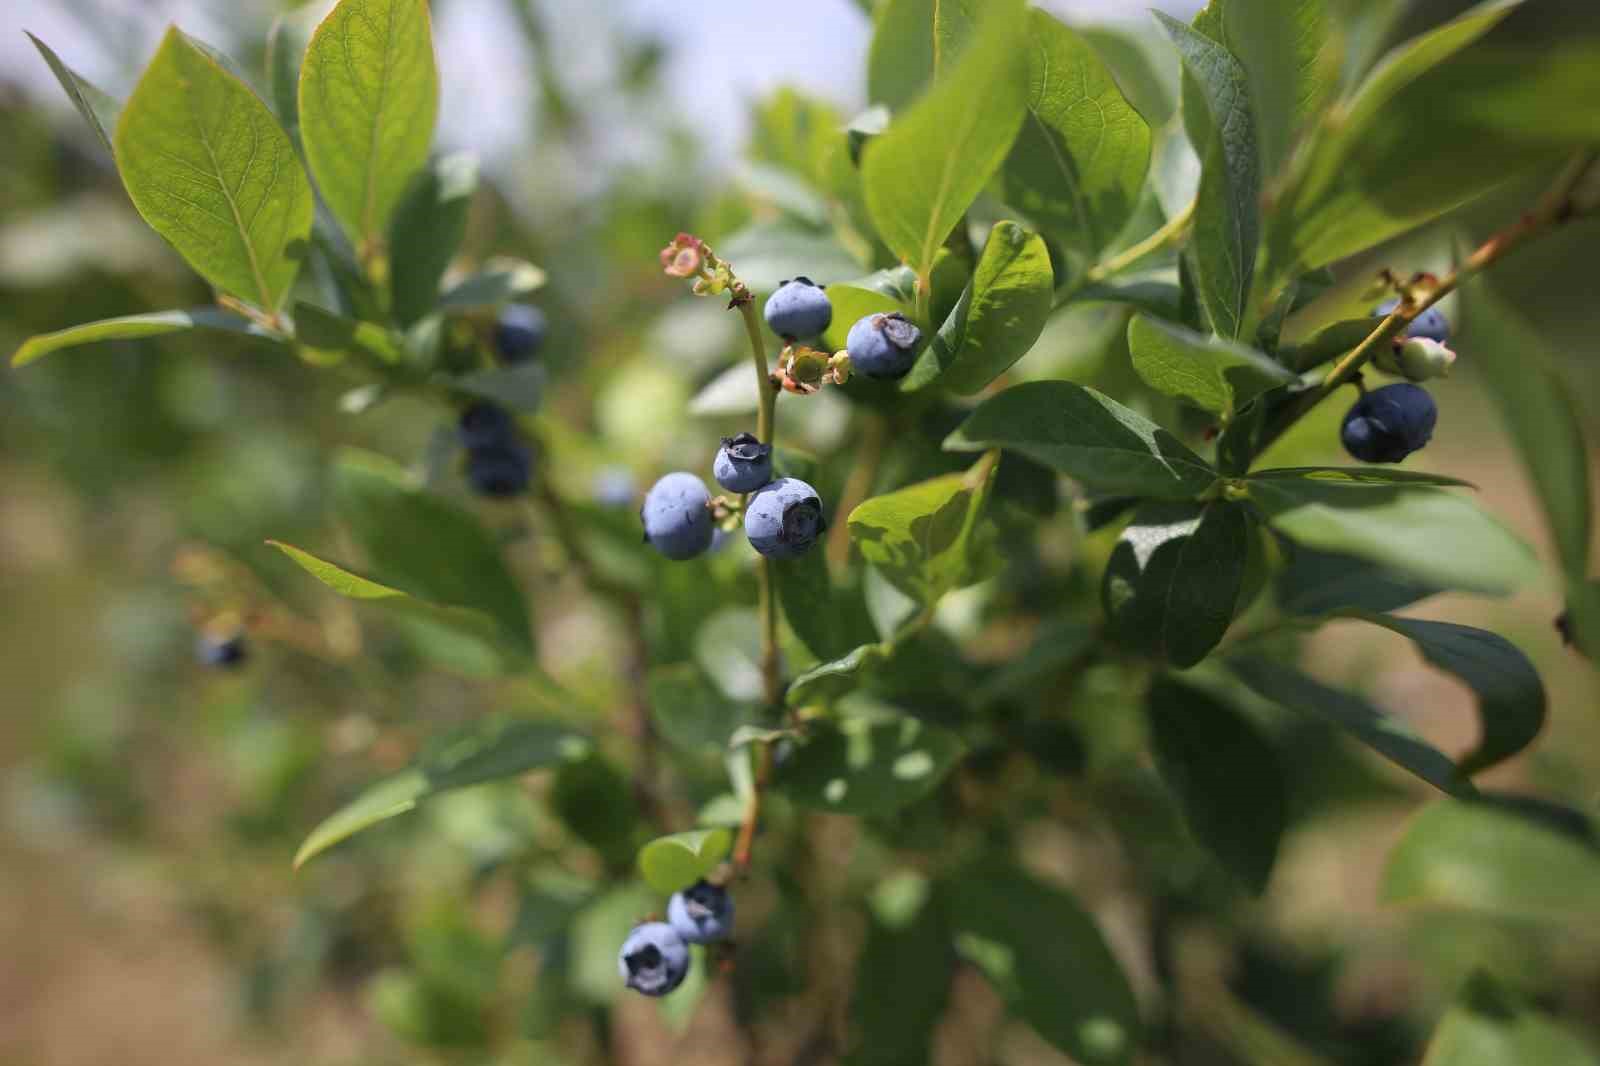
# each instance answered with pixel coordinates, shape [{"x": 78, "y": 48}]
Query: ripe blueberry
[
  {"x": 654, "y": 959},
  {"x": 1430, "y": 324},
  {"x": 519, "y": 333},
  {"x": 221, "y": 651},
  {"x": 485, "y": 425},
  {"x": 701, "y": 913},
  {"x": 1390, "y": 423},
  {"x": 677, "y": 516},
  {"x": 783, "y": 519},
  {"x": 883, "y": 346},
  {"x": 501, "y": 470},
  {"x": 743, "y": 464},
  {"x": 799, "y": 310}
]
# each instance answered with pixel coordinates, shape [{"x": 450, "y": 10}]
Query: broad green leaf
[
  {"x": 1088, "y": 436},
  {"x": 426, "y": 545},
  {"x": 1000, "y": 314},
  {"x": 1359, "y": 475},
  {"x": 287, "y": 39},
  {"x": 132, "y": 327},
  {"x": 428, "y": 225},
  {"x": 865, "y": 766},
  {"x": 369, "y": 94},
  {"x": 1409, "y": 147},
  {"x": 516, "y": 388},
  {"x": 690, "y": 712},
  {"x": 1511, "y": 698},
  {"x": 1215, "y": 374},
  {"x": 900, "y": 58},
  {"x": 1388, "y": 736},
  {"x": 499, "y": 282},
  {"x": 1285, "y": 48},
  {"x": 920, "y": 176},
  {"x": 98, "y": 108},
  {"x": 211, "y": 170},
  {"x": 594, "y": 803},
  {"x": 839, "y": 677},
  {"x": 474, "y": 755},
  {"x": 334, "y": 335},
  {"x": 1420, "y": 532},
  {"x": 1541, "y": 410},
  {"x": 1173, "y": 579},
  {"x": 1489, "y": 1027},
  {"x": 678, "y": 861},
  {"x": 901, "y": 988},
  {"x": 830, "y": 619},
  {"x": 1494, "y": 858},
  {"x": 1080, "y": 158},
  {"x": 1319, "y": 582},
  {"x": 1057, "y": 645},
  {"x": 1227, "y": 778},
  {"x": 928, "y": 538},
  {"x": 1227, "y": 213},
  {"x": 1049, "y": 962}
]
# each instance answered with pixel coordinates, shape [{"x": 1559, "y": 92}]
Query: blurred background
[{"x": 149, "y": 806}]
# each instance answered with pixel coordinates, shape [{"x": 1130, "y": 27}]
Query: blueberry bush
[{"x": 967, "y": 688}]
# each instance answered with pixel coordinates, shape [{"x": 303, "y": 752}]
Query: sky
[{"x": 721, "y": 55}]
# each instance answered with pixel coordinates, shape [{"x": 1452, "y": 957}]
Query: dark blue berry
[
  {"x": 743, "y": 464},
  {"x": 486, "y": 425},
  {"x": 519, "y": 333},
  {"x": 783, "y": 519},
  {"x": 654, "y": 959},
  {"x": 883, "y": 346},
  {"x": 499, "y": 471},
  {"x": 1388, "y": 424},
  {"x": 677, "y": 516},
  {"x": 701, "y": 913}
]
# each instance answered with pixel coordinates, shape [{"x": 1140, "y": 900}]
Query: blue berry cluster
[
  {"x": 654, "y": 959},
  {"x": 1387, "y": 424}
]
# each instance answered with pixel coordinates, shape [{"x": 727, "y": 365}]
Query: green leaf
[
  {"x": 840, "y": 676},
  {"x": 1328, "y": 343},
  {"x": 474, "y": 755},
  {"x": 865, "y": 766},
  {"x": 1511, "y": 698},
  {"x": 678, "y": 861},
  {"x": 286, "y": 46},
  {"x": 1417, "y": 531},
  {"x": 1050, "y": 963},
  {"x": 1154, "y": 292},
  {"x": 516, "y": 388},
  {"x": 132, "y": 327},
  {"x": 1227, "y": 778},
  {"x": 1215, "y": 374},
  {"x": 902, "y": 986},
  {"x": 829, "y": 619},
  {"x": 928, "y": 538},
  {"x": 1489, "y": 1027},
  {"x": 334, "y": 336},
  {"x": 1360, "y": 475},
  {"x": 1492, "y": 857},
  {"x": 1320, "y": 582},
  {"x": 1541, "y": 410},
  {"x": 1088, "y": 436},
  {"x": 369, "y": 95},
  {"x": 98, "y": 108},
  {"x": 1227, "y": 225},
  {"x": 500, "y": 282},
  {"x": 1174, "y": 577},
  {"x": 210, "y": 170},
  {"x": 900, "y": 58},
  {"x": 691, "y": 712},
  {"x": 1388, "y": 736},
  {"x": 489, "y": 653},
  {"x": 428, "y": 225},
  {"x": 426, "y": 545},
  {"x": 920, "y": 176},
  {"x": 1000, "y": 314},
  {"x": 1284, "y": 46},
  {"x": 1080, "y": 158},
  {"x": 1408, "y": 148}
]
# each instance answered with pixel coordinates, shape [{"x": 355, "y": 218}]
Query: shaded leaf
[
  {"x": 690, "y": 712},
  {"x": 901, "y": 988},
  {"x": 1488, "y": 1026},
  {"x": 98, "y": 108},
  {"x": 1088, "y": 436},
  {"x": 210, "y": 170},
  {"x": 428, "y": 225},
  {"x": 928, "y": 538},
  {"x": 865, "y": 766},
  {"x": 1227, "y": 778},
  {"x": 1320, "y": 582},
  {"x": 1174, "y": 577},
  {"x": 829, "y": 618},
  {"x": 474, "y": 755},
  {"x": 333, "y": 336},
  {"x": 516, "y": 388},
  {"x": 1388, "y": 736},
  {"x": 499, "y": 282}
]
